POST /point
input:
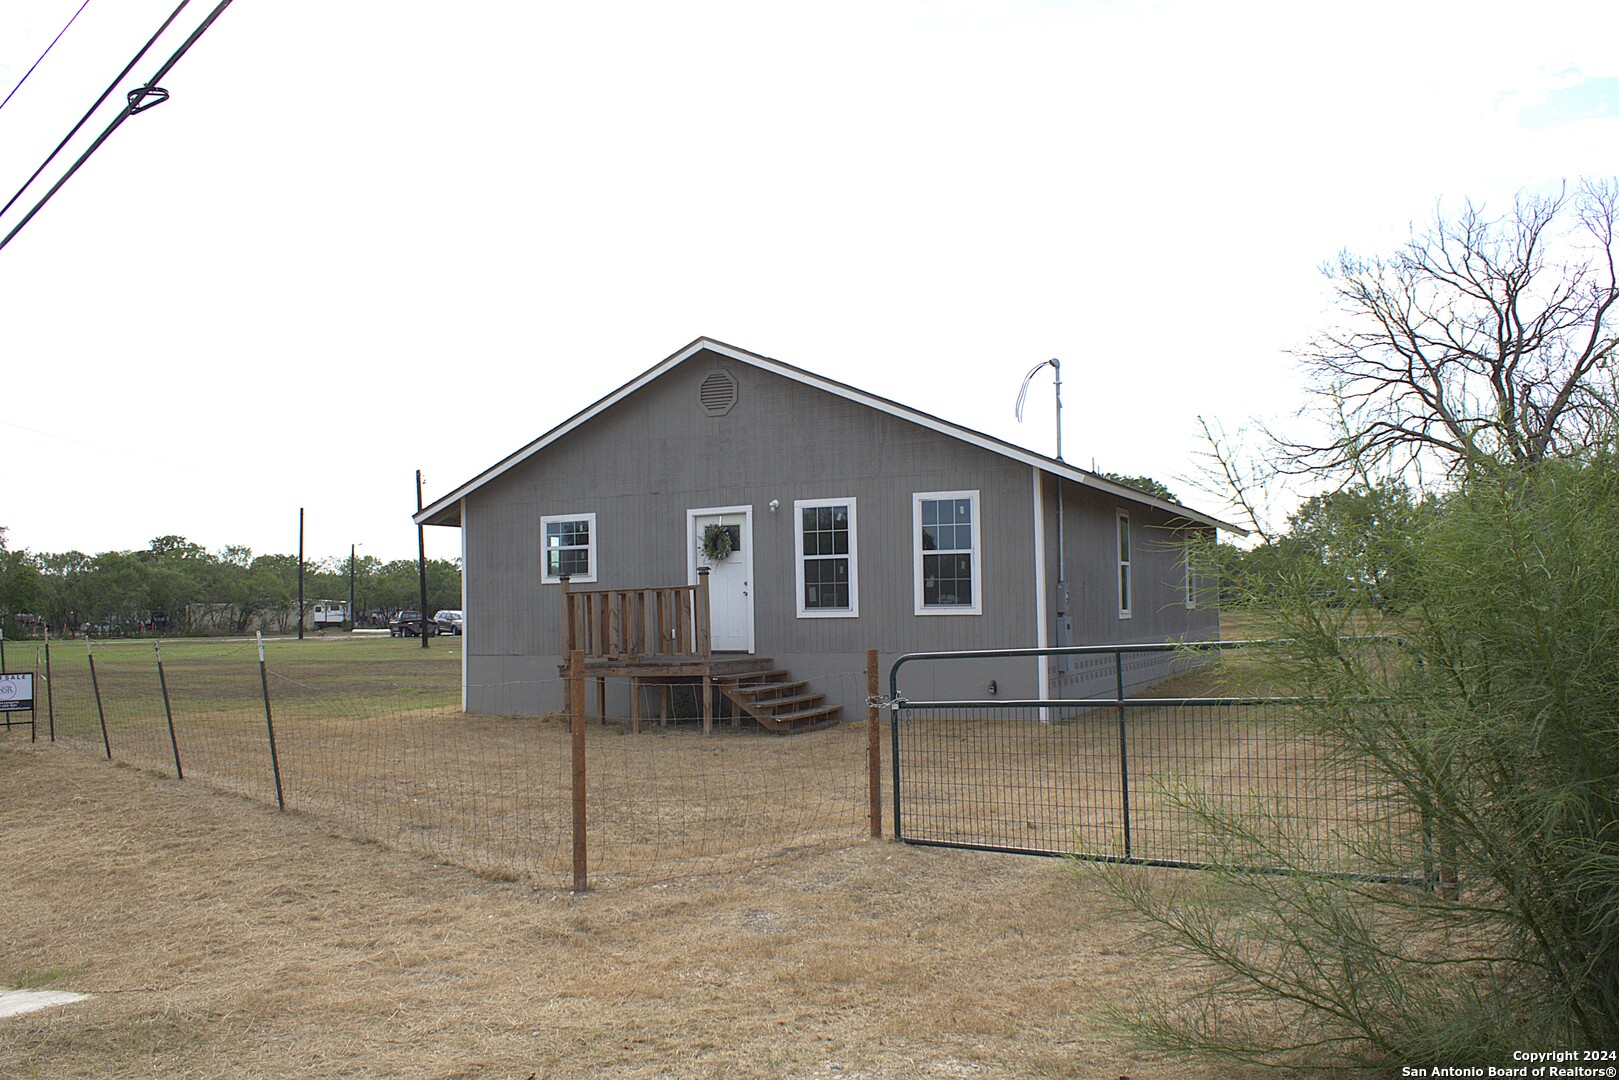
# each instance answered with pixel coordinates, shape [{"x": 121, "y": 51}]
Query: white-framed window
[
  {"x": 568, "y": 546},
  {"x": 1191, "y": 573},
  {"x": 947, "y": 548},
  {"x": 828, "y": 571},
  {"x": 1124, "y": 564}
]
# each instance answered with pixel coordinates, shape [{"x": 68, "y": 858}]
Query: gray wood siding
[
  {"x": 1158, "y": 541},
  {"x": 1158, "y": 609},
  {"x": 641, "y": 464}
]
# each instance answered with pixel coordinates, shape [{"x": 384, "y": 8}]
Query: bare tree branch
[{"x": 1480, "y": 339}]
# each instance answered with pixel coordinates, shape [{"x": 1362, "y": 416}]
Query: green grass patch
[
  {"x": 28, "y": 979},
  {"x": 220, "y": 678}
]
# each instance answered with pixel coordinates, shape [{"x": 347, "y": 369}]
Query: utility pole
[
  {"x": 421, "y": 556},
  {"x": 353, "y": 615},
  {"x": 300, "y": 573}
]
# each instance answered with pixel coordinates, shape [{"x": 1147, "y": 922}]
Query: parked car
[
  {"x": 449, "y": 622},
  {"x": 409, "y": 624}
]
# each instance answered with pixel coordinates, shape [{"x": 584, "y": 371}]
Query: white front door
[{"x": 730, "y": 579}]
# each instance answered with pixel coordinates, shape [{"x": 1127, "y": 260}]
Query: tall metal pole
[
  {"x": 351, "y": 588},
  {"x": 1056, "y": 372},
  {"x": 1065, "y": 633},
  {"x": 300, "y": 573},
  {"x": 421, "y": 556}
]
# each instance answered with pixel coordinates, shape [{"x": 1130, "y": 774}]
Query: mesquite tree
[{"x": 1481, "y": 338}]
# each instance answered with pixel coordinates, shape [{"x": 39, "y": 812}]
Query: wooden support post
[
  {"x": 663, "y": 705},
  {"x": 576, "y": 718},
  {"x": 663, "y": 625},
  {"x": 601, "y": 699},
  {"x": 708, "y": 702},
  {"x": 569, "y": 642},
  {"x": 635, "y": 705},
  {"x": 700, "y": 616},
  {"x": 874, "y": 752}
]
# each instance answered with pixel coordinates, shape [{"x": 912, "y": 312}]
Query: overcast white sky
[{"x": 369, "y": 236}]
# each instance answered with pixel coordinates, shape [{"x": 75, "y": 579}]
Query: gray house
[{"x": 731, "y": 518}]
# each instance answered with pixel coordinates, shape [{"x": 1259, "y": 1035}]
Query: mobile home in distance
[{"x": 326, "y": 614}]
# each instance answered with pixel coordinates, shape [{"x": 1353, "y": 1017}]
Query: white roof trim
[{"x": 977, "y": 438}]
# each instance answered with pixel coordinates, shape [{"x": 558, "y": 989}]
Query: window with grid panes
[
  {"x": 1124, "y": 564},
  {"x": 827, "y": 581},
  {"x": 569, "y": 547},
  {"x": 947, "y": 540}
]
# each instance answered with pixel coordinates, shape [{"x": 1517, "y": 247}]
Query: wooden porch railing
[{"x": 668, "y": 621}]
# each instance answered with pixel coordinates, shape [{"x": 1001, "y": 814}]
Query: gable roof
[{"x": 446, "y": 510}]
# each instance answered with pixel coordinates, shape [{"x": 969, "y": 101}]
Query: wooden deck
[{"x": 660, "y": 637}]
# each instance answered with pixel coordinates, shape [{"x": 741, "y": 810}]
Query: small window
[
  {"x": 946, "y": 540},
  {"x": 828, "y": 570},
  {"x": 570, "y": 547},
  {"x": 1124, "y": 564},
  {"x": 1191, "y": 574}
]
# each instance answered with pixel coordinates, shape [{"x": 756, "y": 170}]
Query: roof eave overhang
[{"x": 447, "y": 509}]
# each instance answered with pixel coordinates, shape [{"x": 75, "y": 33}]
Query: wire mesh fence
[
  {"x": 372, "y": 737},
  {"x": 1176, "y": 781}
]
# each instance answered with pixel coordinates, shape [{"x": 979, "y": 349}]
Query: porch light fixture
[{"x": 775, "y": 504}]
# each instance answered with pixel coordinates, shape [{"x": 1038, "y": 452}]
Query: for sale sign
[{"x": 17, "y": 692}]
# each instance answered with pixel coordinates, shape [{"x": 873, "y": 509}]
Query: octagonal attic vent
[{"x": 718, "y": 393}]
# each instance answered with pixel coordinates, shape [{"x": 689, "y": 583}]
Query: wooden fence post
[
  {"x": 874, "y": 752},
  {"x": 576, "y": 721},
  {"x": 568, "y": 642}
]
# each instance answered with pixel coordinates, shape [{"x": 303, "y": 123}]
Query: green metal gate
[{"x": 1165, "y": 781}]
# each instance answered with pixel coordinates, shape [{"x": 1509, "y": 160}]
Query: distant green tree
[
  {"x": 1145, "y": 484},
  {"x": 20, "y": 586},
  {"x": 63, "y": 582},
  {"x": 117, "y": 591},
  {"x": 1350, "y": 548},
  {"x": 396, "y": 585}
]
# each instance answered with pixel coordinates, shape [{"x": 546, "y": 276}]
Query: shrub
[{"x": 1494, "y": 722}]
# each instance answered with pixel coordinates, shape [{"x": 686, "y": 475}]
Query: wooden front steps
[{"x": 771, "y": 696}]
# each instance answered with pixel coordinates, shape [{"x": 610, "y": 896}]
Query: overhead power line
[
  {"x": 105, "y": 94},
  {"x": 44, "y": 54},
  {"x": 139, "y": 100}
]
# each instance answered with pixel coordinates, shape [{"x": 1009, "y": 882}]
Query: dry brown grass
[
  {"x": 494, "y": 793},
  {"x": 1012, "y": 782},
  {"x": 221, "y": 938}
]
